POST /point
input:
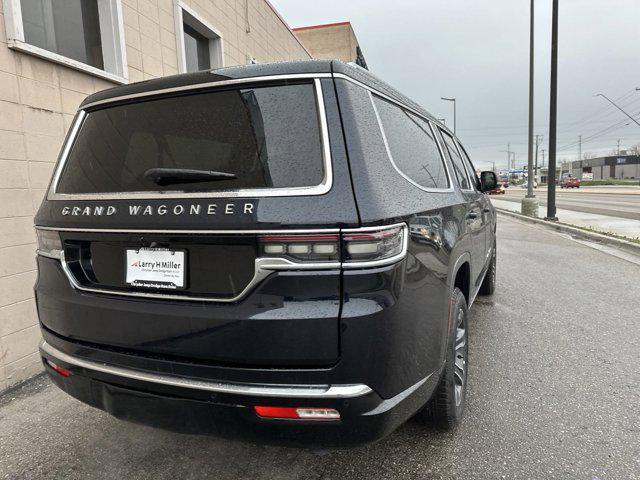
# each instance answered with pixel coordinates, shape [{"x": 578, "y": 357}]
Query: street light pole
[
  {"x": 454, "y": 110},
  {"x": 531, "y": 65},
  {"x": 615, "y": 105},
  {"x": 553, "y": 110},
  {"x": 529, "y": 204}
]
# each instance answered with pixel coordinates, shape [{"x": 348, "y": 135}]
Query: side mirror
[{"x": 488, "y": 181}]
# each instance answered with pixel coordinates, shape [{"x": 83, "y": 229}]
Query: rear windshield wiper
[{"x": 169, "y": 176}]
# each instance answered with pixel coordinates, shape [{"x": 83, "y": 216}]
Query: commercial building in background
[
  {"x": 55, "y": 53},
  {"x": 332, "y": 40},
  {"x": 620, "y": 167}
]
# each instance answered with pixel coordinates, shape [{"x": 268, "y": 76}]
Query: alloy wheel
[{"x": 461, "y": 350}]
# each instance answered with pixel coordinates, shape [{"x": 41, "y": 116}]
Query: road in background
[
  {"x": 554, "y": 392},
  {"x": 599, "y": 201},
  {"x": 602, "y": 223}
]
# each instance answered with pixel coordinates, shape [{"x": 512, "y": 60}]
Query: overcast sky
[{"x": 477, "y": 51}]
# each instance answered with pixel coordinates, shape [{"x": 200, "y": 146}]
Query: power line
[{"x": 597, "y": 134}]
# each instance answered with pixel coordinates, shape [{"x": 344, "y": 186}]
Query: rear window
[{"x": 266, "y": 137}]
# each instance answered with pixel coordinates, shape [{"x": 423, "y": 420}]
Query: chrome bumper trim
[{"x": 257, "y": 390}]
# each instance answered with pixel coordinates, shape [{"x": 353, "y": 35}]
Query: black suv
[{"x": 282, "y": 252}]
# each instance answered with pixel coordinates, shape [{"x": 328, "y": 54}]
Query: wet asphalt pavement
[{"x": 554, "y": 393}]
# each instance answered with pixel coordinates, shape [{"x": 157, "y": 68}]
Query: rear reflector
[
  {"x": 61, "y": 370},
  {"x": 295, "y": 413}
]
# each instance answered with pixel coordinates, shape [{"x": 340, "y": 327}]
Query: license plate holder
[{"x": 156, "y": 268}]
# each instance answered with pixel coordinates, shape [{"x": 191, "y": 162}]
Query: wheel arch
[{"x": 460, "y": 275}]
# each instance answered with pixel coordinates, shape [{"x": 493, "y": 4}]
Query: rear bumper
[{"x": 186, "y": 405}]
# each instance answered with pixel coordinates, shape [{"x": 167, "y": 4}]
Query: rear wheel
[{"x": 446, "y": 406}]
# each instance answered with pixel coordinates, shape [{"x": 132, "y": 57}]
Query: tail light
[
  {"x": 353, "y": 247},
  {"x": 314, "y": 247},
  {"x": 373, "y": 245},
  {"x": 297, "y": 413}
]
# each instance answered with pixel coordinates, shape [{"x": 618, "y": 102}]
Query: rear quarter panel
[{"x": 402, "y": 312}]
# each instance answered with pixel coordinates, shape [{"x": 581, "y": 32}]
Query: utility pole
[
  {"x": 553, "y": 111},
  {"x": 579, "y": 147},
  {"x": 508, "y": 152},
  {"x": 618, "y": 146},
  {"x": 542, "y": 151},
  {"x": 530, "y": 207},
  {"x": 538, "y": 140}
]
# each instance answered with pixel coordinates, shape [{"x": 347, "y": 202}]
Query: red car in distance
[{"x": 569, "y": 182}]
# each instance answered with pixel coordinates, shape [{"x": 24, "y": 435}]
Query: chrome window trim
[
  {"x": 463, "y": 153},
  {"x": 428, "y": 118},
  {"x": 455, "y": 143},
  {"x": 264, "y": 266},
  {"x": 450, "y": 188},
  {"x": 319, "y": 189},
  {"x": 73, "y": 133},
  {"x": 257, "y": 390}
]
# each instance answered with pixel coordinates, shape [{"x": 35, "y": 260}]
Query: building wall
[
  {"x": 37, "y": 101},
  {"x": 618, "y": 167},
  {"x": 334, "y": 41}
]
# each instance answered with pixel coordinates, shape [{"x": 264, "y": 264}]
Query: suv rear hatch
[{"x": 171, "y": 211}]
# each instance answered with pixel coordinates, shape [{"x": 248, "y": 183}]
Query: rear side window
[
  {"x": 412, "y": 146},
  {"x": 267, "y": 137},
  {"x": 456, "y": 160}
]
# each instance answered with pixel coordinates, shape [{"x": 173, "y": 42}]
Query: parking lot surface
[{"x": 554, "y": 393}]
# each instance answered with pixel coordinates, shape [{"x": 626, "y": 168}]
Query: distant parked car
[{"x": 569, "y": 182}]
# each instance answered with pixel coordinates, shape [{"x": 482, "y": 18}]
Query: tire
[
  {"x": 446, "y": 407},
  {"x": 489, "y": 283}
]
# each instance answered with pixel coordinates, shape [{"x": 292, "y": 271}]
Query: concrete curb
[
  {"x": 577, "y": 232},
  {"x": 583, "y": 190}
]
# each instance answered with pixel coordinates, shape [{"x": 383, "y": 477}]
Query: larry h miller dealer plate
[{"x": 159, "y": 268}]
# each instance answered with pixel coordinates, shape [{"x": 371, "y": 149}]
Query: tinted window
[
  {"x": 456, "y": 160},
  {"x": 470, "y": 168},
  {"x": 266, "y": 137},
  {"x": 413, "y": 147}
]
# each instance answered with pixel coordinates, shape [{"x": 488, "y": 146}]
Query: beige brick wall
[
  {"x": 37, "y": 101},
  {"x": 330, "y": 42}
]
